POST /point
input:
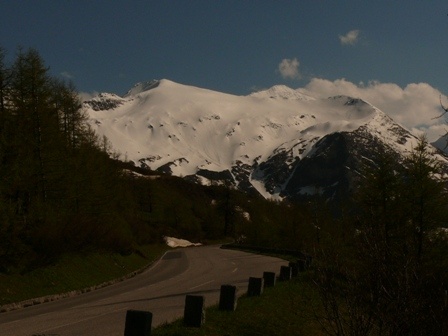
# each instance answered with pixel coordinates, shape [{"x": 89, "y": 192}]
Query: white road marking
[
  {"x": 236, "y": 269},
  {"x": 86, "y": 319},
  {"x": 205, "y": 283}
]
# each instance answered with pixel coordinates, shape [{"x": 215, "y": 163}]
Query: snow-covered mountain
[
  {"x": 278, "y": 142},
  {"x": 282, "y": 92}
]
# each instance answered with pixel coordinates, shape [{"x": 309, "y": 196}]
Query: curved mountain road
[{"x": 161, "y": 290}]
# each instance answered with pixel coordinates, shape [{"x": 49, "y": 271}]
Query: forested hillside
[
  {"x": 58, "y": 190},
  {"x": 61, "y": 192}
]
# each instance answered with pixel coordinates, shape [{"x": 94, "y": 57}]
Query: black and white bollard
[
  {"x": 294, "y": 269},
  {"x": 255, "y": 287},
  {"x": 269, "y": 279},
  {"x": 194, "y": 311},
  {"x": 285, "y": 273},
  {"x": 228, "y": 298},
  {"x": 138, "y": 323}
]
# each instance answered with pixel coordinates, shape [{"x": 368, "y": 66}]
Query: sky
[{"x": 391, "y": 53}]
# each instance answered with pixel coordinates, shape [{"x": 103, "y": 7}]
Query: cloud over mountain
[{"x": 415, "y": 106}]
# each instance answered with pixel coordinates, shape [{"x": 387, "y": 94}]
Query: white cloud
[
  {"x": 416, "y": 106},
  {"x": 66, "y": 75},
  {"x": 289, "y": 68},
  {"x": 350, "y": 38},
  {"x": 432, "y": 132},
  {"x": 83, "y": 96}
]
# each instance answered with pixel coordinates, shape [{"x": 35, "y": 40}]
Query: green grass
[
  {"x": 74, "y": 272},
  {"x": 286, "y": 309}
]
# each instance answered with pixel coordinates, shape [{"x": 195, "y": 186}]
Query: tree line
[
  {"x": 57, "y": 184},
  {"x": 62, "y": 191},
  {"x": 385, "y": 272},
  {"x": 380, "y": 265}
]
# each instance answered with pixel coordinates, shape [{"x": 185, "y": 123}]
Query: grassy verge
[
  {"x": 74, "y": 272},
  {"x": 286, "y": 309}
]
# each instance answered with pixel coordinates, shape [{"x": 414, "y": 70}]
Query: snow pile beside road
[{"x": 176, "y": 242}]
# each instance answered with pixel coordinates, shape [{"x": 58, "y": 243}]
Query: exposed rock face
[
  {"x": 104, "y": 101},
  {"x": 325, "y": 171}
]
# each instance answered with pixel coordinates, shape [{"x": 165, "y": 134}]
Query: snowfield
[
  {"x": 184, "y": 130},
  {"x": 199, "y": 128}
]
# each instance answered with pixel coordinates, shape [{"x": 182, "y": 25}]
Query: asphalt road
[{"x": 161, "y": 290}]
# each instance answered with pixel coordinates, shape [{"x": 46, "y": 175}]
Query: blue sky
[{"x": 237, "y": 46}]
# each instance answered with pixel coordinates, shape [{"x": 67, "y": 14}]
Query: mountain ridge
[{"x": 256, "y": 143}]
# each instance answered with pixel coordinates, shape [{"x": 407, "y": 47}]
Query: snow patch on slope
[{"x": 176, "y": 242}]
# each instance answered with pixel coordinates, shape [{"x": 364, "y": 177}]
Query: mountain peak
[
  {"x": 349, "y": 100},
  {"x": 142, "y": 87},
  {"x": 104, "y": 101},
  {"x": 282, "y": 92}
]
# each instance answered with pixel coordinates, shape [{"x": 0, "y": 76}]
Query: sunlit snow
[
  {"x": 176, "y": 242},
  {"x": 190, "y": 128}
]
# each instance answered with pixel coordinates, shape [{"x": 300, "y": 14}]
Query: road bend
[{"x": 161, "y": 289}]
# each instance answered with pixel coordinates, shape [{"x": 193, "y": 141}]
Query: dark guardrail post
[
  {"x": 309, "y": 260},
  {"x": 138, "y": 323},
  {"x": 255, "y": 287},
  {"x": 194, "y": 311},
  {"x": 228, "y": 298},
  {"x": 294, "y": 269},
  {"x": 285, "y": 273},
  {"x": 269, "y": 279},
  {"x": 301, "y": 263}
]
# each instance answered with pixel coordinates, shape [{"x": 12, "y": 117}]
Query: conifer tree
[
  {"x": 5, "y": 77},
  {"x": 58, "y": 189},
  {"x": 392, "y": 282},
  {"x": 425, "y": 193}
]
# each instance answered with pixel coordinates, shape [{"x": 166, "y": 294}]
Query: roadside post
[
  {"x": 138, "y": 323},
  {"x": 255, "y": 287},
  {"x": 269, "y": 279},
  {"x": 285, "y": 273},
  {"x": 228, "y": 298},
  {"x": 194, "y": 311}
]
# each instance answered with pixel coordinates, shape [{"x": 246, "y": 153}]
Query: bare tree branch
[{"x": 445, "y": 109}]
